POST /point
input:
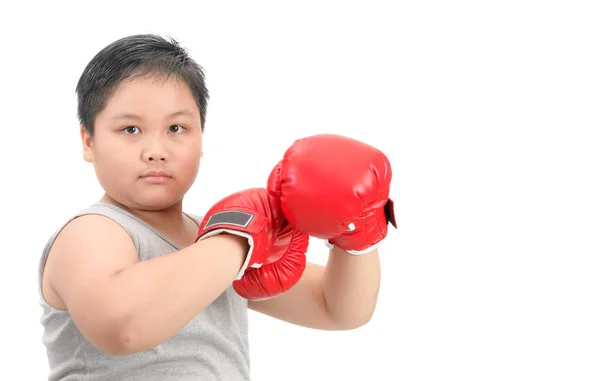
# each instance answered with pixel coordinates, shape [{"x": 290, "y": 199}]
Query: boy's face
[{"x": 148, "y": 124}]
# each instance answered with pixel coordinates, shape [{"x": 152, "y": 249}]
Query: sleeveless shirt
[{"x": 212, "y": 346}]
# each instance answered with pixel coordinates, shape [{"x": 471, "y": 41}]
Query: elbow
[
  {"x": 115, "y": 342},
  {"x": 351, "y": 318},
  {"x": 121, "y": 344},
  {"x": 361, "y": 321},
  {"x": 118, "y": 336},
  {"x": 353, "y": 322},
  {"x": 127, "y": 340}
]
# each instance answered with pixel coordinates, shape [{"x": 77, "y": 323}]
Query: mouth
[{"x": 156, "y": 177}]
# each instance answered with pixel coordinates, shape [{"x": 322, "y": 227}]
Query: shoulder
[
  {"x": 91, "y": 226},
  {"x": 98, "y": 221},
  {"x": 87, "y": 246},
  {"x": 89, "y": 233}
]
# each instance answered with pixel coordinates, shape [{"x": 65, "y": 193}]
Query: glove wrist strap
[{"x": 356, "y": 252}]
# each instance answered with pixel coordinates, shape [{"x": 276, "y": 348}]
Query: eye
[
  {"x": 130, "y": 130},
  {"x": 176, "y": 128}
]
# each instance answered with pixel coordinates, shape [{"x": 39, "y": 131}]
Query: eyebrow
[{"x": 137, "y": 117}]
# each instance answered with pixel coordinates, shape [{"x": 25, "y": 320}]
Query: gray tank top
[{"x": 213, "y": 346}]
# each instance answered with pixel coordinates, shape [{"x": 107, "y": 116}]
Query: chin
[
  {"x": 153, "y": 202},
  {"x": 158, "y": 204}
]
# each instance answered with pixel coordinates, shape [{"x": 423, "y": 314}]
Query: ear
[{"x": 86, "y": 140}]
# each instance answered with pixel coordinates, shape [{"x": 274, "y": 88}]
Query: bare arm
[
  {"x": 124, "y": 306},
  {"x": 351, "y": 285},
  {"x": 341, "y": 295}
]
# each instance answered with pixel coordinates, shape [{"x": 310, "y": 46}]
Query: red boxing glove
[
  {"x": 277, "y": 255},
  {"x": 336, "y": 188}
]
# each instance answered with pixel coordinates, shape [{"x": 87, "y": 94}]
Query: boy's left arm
[
  {"x": 339, "y": 296},
  {"x": 334, "y": 188}
]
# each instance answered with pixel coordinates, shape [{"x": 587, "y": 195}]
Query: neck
[
  {"x": 171, "y": 216},
  {"x": 170, "y": 221}
]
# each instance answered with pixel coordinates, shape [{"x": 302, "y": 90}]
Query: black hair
[{"x": 136, "y": 56}]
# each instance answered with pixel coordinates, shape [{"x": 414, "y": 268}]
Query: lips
[
  {"x": 156, "y": 177},
  {"x": 156, "y": 174}
]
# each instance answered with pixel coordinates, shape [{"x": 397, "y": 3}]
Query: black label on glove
[
  {"x": 390, "y": 215},
  {"x": 233, "y": 218}
]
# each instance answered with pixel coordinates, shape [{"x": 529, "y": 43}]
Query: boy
[{"x": 132, "y": 287}]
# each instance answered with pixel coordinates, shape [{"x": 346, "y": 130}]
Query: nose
[{"x": 155, "y": 150}]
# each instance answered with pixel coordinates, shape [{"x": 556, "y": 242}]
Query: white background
[{"x": 488, "y": 111}]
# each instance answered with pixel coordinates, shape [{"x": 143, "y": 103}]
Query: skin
[
  {"x": 148, "y": 125},
  {"x": 122, "y": 305}
]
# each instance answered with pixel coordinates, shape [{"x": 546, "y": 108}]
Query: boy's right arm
[{"x": 122, "y": 305}]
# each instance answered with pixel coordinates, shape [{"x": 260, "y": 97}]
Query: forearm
[
  {"x": 160, "y": 296},
  {"x": 351, "y": 286}
]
